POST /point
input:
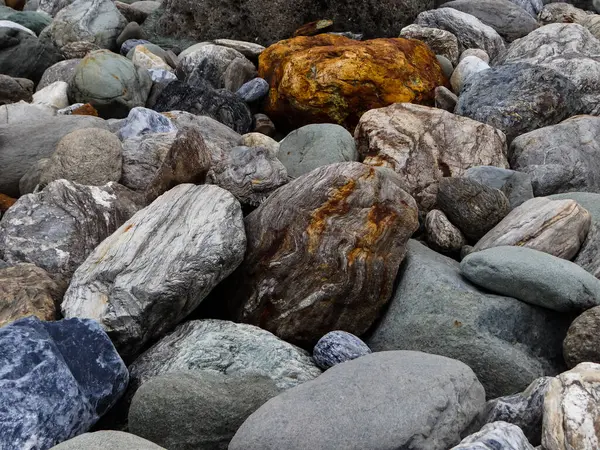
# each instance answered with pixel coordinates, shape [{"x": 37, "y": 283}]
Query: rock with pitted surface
[
  {"x": 308, "y": 78},
  {"x": 557, "y": 227},
  {"x": 79, "y": 49},
  {"x": 443, "y": 397},
  {"x": 506, "y": 342},
  {"x": 13, "y": 90},
  {"x": 196, "y": 232},
  {"x": 524, "y": 409},
  {"x": 411, "y": 140},
  {"x": 473, "y": 207},
  {"x": 442, "y": 42},
  {"x": 57, "y": 228},
  {"x": 27, "y": 290},
  {"x": 515, "y": 185},
  {"x": 141, "y": 121},
  {"x": 441, "y": 234},
  {"x": 470, "y": 31},
  {"x": 582, "y": 343},
  {"x": 561, "y": 13},
  {"x": 107, "y": 440},
  {"x": 251, "y": 174},
  {"x": 571, "y": 410},
  {"x": 337, "y": 347},
  {"x": 323, "y": 252},
  {"x": 61, "y": 71},
  {"x": 153, "y": 163},
  {"x": 57, "y": 380},
  {"x": 496, "y": 436},
  {"x": 518, "y": 98}
]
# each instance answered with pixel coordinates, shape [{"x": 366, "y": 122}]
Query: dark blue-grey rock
[
  {"x": 337, "y": 347},
  {"x": 533, "y": 277},
  {"x": 220, "y": 104},
  {"x": 496, "y": 436},
  {"x": 518, "y": 98},
  {"x": 141, "y": 121},
  {"x": 385, "y": 400},
  {"x": 525, "y": 409},
  {"x": 107, "y": 440},
  {"x": 131, "y": 31},
  {"x": 130, "y": 44},
  {"x": 506, "y": 342},
  {"x": 253, "y": 90},
  {"x": 57, "y": 380},
  {"x": 61, "y": 71},
  {"x": 533, "y": 7},
  {"x": 515, "y": 185}
]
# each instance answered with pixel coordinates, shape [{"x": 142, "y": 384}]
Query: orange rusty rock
[
  {"x": 6, "y": 202},
  {"x": 330, "y": 78},
  {"x": 312, "y": 28},
  {"x": 85, "y": 110},
  {"x": 16, "y": 4}
]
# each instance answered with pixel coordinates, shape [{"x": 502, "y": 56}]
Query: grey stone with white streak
[
  {"x": 515, "y": 185},
  {"x": 142, "y": 121},
  {"x": 442, "y": 42},
  {"x": 61, "y": 71},
  {"x": 159, "y": 266},
  {"x": 337, "y": 347},
  {"x": 496, "y": 436},
  {"x": 161, "y": 75},
  {"x": 57, "y": 228},
  {"x": 441, "y": 234},
  {"x": 253, "y": 90},
  {"x": 16, "y": 26}
]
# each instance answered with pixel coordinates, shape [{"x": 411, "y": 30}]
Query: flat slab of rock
[
  {"x": 196, "y": 232},
  {"x": 107, "y": 440},
  {"x": 443, "y": 396}
]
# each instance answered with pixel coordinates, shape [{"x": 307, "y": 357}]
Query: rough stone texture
[
  {"x": 98, "y": 22},
  {"x": 30, "y": 180},
  {"x": 219, "y": 104},
  {"x": 309, "y": 78},
  {"x": 13, "y": 90},
  {"x": 107, "y": 440},
  {"x": 470, "y": 32},
  {"x": 91, "y": 156},
  {"x": 196, "y": 410},
  {"x": 161, "y": 75},
  {"x": 441, "y": 234},
  {"x": 251, "y": 174},
  {"x": 130, "y": 44},
  {"x": 571, "y": 410},
  {"x": 442, "y": 42},
  {"x": 561, "y": 13},
  {"x": 561, "y": 158},
  {"x": 518, "y": 98},
  {"x": 445, "y": 99},
  {"x": 582, "y": 343},
  {"x": 27, "y": 290},
  {"x": 443, "y": 396},
  {"x": 52, "y": 7},
  {"x": 515, "y": 185},
  {"x": 316, "y": 145},
  {"x": 509, "y": 20},
  {"x": 110, "y": 83},
  {"x": 32, "y": 20},
  {"x": 61, "y": 71},
  {"x": 57, "y": 228},
  {"x": 473, "y": 207},
  {"x": 260, "y": 140},
  {"x": 557, "y": 227},
  {"x": 16, "y": 26},
  {"x": 144, "y": 59},
  {"x": 524, "y": 409},
  {"x": 496, "y": 436},
  {"x": 337, "y": 347},
  {"x": 506, "y": 342},
  {"x": 323, "y": 252},
  {"x": 570, "y": 50},
  {"x": 79, "y": 49},
  {"x": 467, "y": 67},
  {"x": 54, "y": 95},
  {"x": 195, "y": 231},
  {"x": 426, "y": 144},
  {"x": 263, "y": 124},
  {"x": 141, "y": 121},
  {"x": 57, "y": 379}
]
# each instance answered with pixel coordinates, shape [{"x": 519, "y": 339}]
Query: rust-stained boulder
[
  {"x": 323, "y": 253},
  {"x": 425, "y": 144},
  {"x": 6, "y": 202},
  {"x": 330, "y": 78}
]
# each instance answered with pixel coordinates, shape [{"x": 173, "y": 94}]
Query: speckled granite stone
[{"x": 337, "y": 347}]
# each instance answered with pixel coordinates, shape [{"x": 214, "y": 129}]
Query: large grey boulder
[
  {"x": 496, "y": 436},
  {"x": 57, "y": 228},
  {"x": 516, "y": 185},
  {"x": 107, "y": 440},
  {"x": 534, "y": 277},
  {"x": 506, "y": 342},
  {"x": 159, "y": 265},
  {"x": 336, "y": 410},
  {"x": 199, "y": 410}
]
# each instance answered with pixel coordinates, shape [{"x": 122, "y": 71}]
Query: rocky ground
[{"x": 293, "y": 225}]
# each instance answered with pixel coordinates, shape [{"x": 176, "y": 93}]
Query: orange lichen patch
[
  {"x": 85, "y": 110},
  {"x": 127, "y": 228},
  {"x": 379, "y": 220},
  {"x": 335, "y": 205},
  {"x": 6, "y": 202},
  {"x": 330, "y": 78},
  {"x": 312, "y": 28}
]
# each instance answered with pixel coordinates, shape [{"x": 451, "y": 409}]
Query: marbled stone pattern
[
  {"x": 337, "y": 347},
  {"x": 496, "y": 436},
  {"x": 142, "y": 121},
  {"x": 253, "y": 90}
]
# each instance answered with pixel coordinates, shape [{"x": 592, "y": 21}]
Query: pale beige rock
[
  {"x": 441, "y": 234},
  {"x": 557, "y": 227},
  {"x": 467, "y": 67},
  {"x": 425, "y": 144},
  {"x": 260, "y": 140},
  {"x": 442, "y": 42},
  {"x": 145, "y": 59},
  {"x": 571, "y": 410}
]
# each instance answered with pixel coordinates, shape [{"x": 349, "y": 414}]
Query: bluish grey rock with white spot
[
  {"x": 337, "y": 347},
  {"x": 253, "y": 90},
  {"x": 496, "y": 436},
  {"x": 141, "y": 121},
  {"x": 57, "y": 380},
  {"x": 130, "y": 44},
  {"x": 161, "y": 75}
]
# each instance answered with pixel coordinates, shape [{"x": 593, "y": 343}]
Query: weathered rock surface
[
  {"x": 141, "y": 121},
  {"x": 254, "y": 90},
  {"x": 515, "y": 185},
  {"x": 308, "y": 78},
  {"x": 337, "y": 347},
  {"x": 61, "y": 71},
  {"x": 411, "y": 140},
  {"x": 506, "y": 342},
  {"x": 260, "y": 140},
  {"x": 473, "y": 207},
  {"x": 195, "y": 231},
  {"x": 27, "y": 290},
  {"x": 31, "y": 179},
  {"x": 571, "y": 410},
  {"x": 465, "y": 69},
  {"x": 442, "y": 42},
  {"x": 441, "y": 234},
  {"x": 107, "y": 440},
  {"x": 201, "y": 410},
  {"x": 496, "y": 436},
  {"x": 57, "y": 379},
  {"x": 57, "y": 228},
  {"x": 557, "y": 227},
  {"x": 54, "y": 95},
  {"x": 143, "y": 58},
  {"x": 445, "y": 99},
  {"x": 323, "y": 252},
  {"x": 582, "y": 343},
  {"x": 443, "y": 397},
  {"x": 13, "y": 90}
]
